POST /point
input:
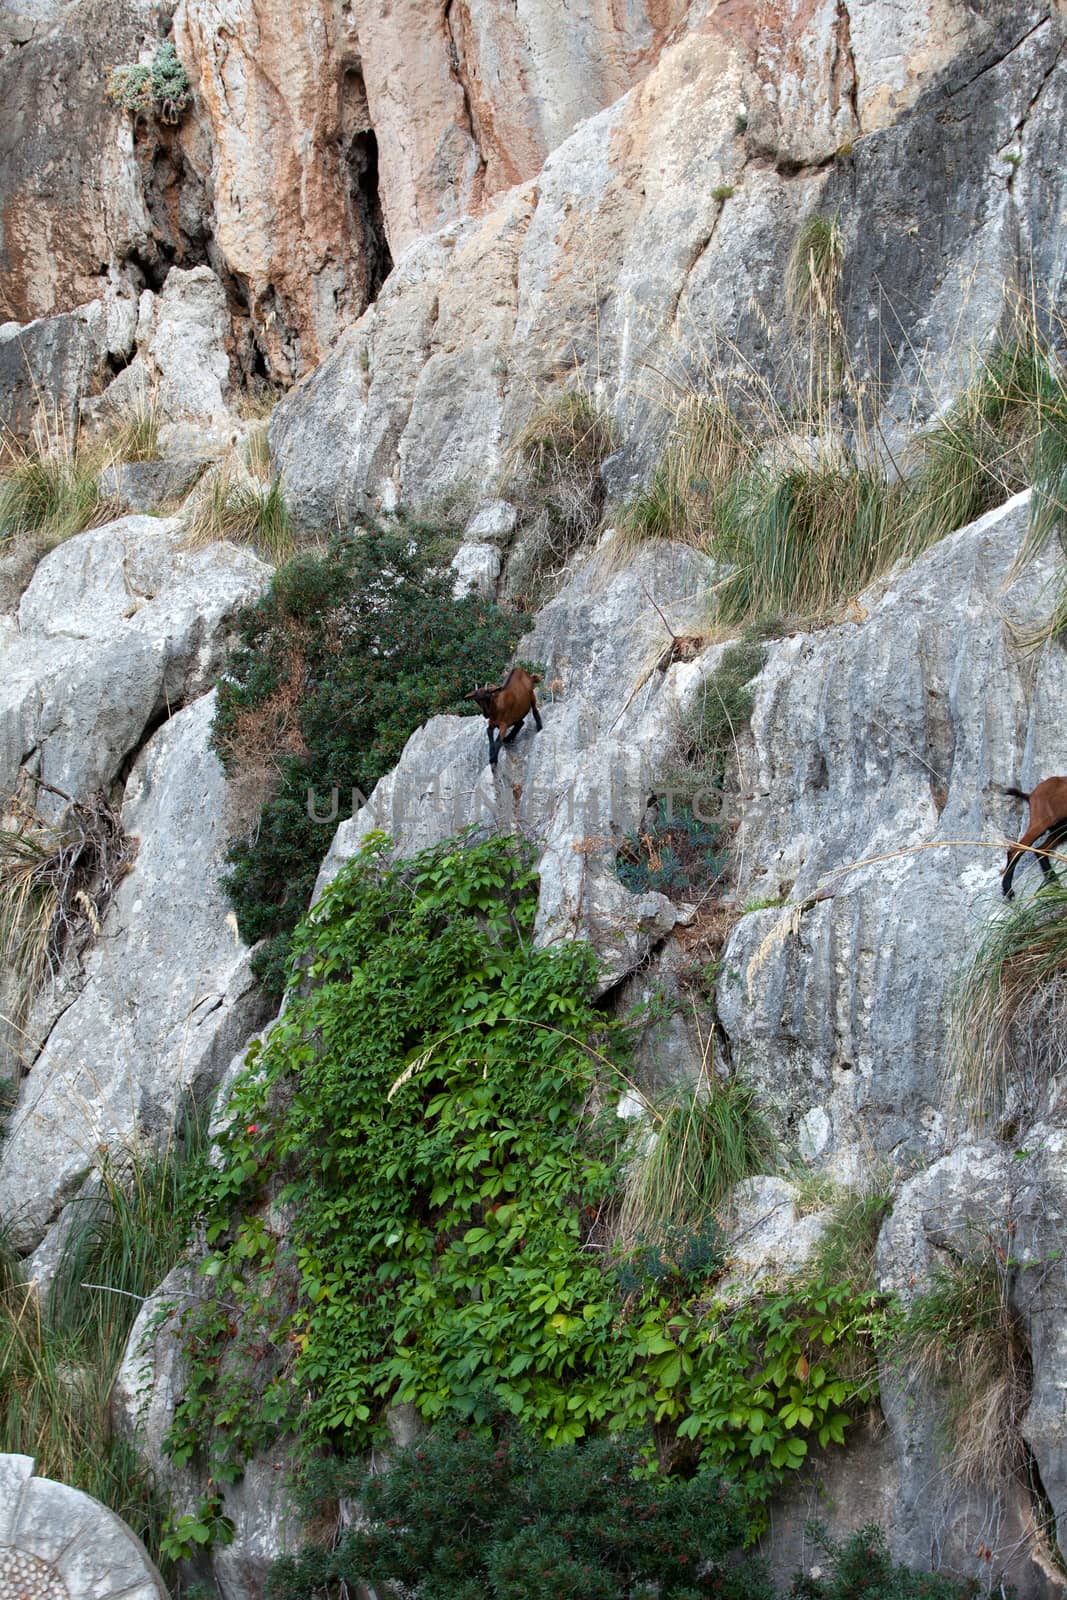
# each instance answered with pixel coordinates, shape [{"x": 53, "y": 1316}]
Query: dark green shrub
[
  {"x": 460, "y": 1519},
  {"x": 677, "y": 1256},
  {"x": 862, "y": 1569},
  {"x": 675, "y": 854},
  {"x": 335, "y": 667}
]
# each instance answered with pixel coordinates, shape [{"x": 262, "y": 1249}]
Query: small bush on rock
[
  {"x": 861, "y": 1568},
  {"x": 162, "y": 88},
  {"x": 347, "y": 653},
  {"x": 676, "y": 854},
  {"x": 963, "y": 1334}
]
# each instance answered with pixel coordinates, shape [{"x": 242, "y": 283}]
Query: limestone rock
[
  {"x": 477, "y": 568},
  {"x": 143, "y": 485},
  {"x": 468, "y": 102},
  {"x": 117, "y": 626},
  {"x": 71, "y": 194},
  {"x": 291, "y": 162},
  {"x": 583, "y": 782},
  {"x": 186, "y": 354},
  {"x": 492, "y": 523},
  {"x": 148, "y": 1384},
  {"x": 657, "y": 236},
  {"x": 45, "y": 367},
  {"x": 169, "y": 995},
  {"x": 870, "y": 798},
  {"x": 766, "y": 1237},
  {"x": 963, "y": 1208},
  {"x": 182, "y": 372}
]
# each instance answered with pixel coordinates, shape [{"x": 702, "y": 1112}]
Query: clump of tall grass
[
  {"x": 553, "y": 473},
  {"x": 813, "y": 272},
  {"x": 801, "y": 497},
  {"x": 708, "y": 447},
  {"x": 962, "y": 1335},
  {"x": 135, "y": 437},
  {"x": 844, "y": 1253},
  {"x": 50, "y": 488},
  {"x": 700, "y": 1141},
  {"x": 1008, "y": 1034},
  {"x": 804, "y": 536},
  {"x": 707, "y": 735},
  {"x": 992, "y": 441},
  {"x": 58, "y": 1360},
  {"x": 244, "y": 510}
]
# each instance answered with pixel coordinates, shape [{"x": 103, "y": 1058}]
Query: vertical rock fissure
[
  {"x": 361, "y": 160},
  {"x": 1044, "y": 1513},
  {"x": 846, "y": 65},
  {"x": 456, "y": 67},
  {"x": 366, "y": 213}
]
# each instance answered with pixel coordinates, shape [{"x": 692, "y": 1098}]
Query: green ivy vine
[{"x": 432, "y": 1119}]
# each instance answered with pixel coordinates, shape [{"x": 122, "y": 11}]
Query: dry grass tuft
[
  {"x": 258, "y": 742},
  {"x": 136, "y": 436},
  {"x": 232, "y": 505},
  {"x": 56, "y": 882},
  {"x": 790, "y": 482},
  {"x": 50, "y": 488},
  {"x": 963, "y": 1336},
  {"x": 553, "y": 474}
]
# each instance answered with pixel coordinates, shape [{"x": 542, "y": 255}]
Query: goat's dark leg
[
  {"x": 494, "y": 748},
  {"x": 537, "y": 714},
  {"x": 1055, "y": 836},
  {"x": 1009, "y": 872},
  {"x": 1029, "y": 838},
  {"x": 513, "y": 730}
]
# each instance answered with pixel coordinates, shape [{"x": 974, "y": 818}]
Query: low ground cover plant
[
  {"x": 675, "y": 852},
  {"x": 458, "y": 1518},
  {"x": 861, "y": 1568},
  {"x": 462, "y": 1518}
]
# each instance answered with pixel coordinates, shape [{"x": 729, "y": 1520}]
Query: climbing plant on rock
[{"x": 425, "y": 1117}]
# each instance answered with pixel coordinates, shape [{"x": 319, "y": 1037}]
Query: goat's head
[{"x": 483, "y": 699}]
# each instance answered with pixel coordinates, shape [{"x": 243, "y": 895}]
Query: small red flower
[{"x": 253, "y": 1127}]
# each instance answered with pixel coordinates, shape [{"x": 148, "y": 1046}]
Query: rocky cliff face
[
  {"x": 650, "y": 254},
  {"x": 435, "y": 219},
  {"x": 321, "y": 143},
  {"x": 106, "y": 670}
]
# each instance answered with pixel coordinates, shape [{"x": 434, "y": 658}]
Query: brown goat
[
  {"x": 1048, "y": 815},
  {"x": 506, "y": 707}
]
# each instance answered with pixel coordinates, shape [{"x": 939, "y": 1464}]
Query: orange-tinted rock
[{"x": 280, "y": 91}]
